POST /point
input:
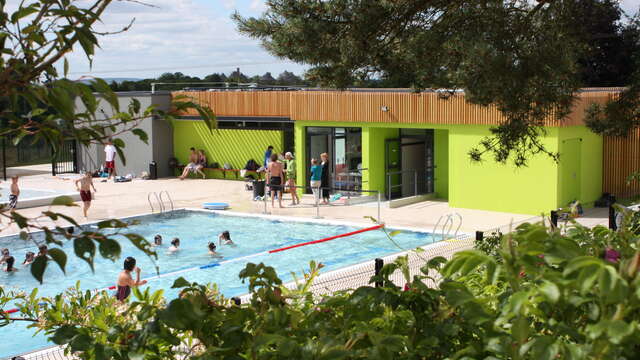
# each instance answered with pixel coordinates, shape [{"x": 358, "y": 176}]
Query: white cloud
[
  {"x": 185, "y": 35},
  {"x": 258, "y": 5}
]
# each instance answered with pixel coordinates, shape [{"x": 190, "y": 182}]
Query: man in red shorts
[
  {"x": 86, "y": 183},
  {"x": 110, "y": 159}
]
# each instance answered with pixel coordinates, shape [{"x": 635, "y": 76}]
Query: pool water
[
  {"x": 252, "y": 235},
  {"x": 29, "y": 193}
]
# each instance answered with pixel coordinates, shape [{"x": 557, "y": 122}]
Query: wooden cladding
[
  {"x": 621, "y": 158},
  {"x": 242, "y": 103},
  {"x": 372, "y": 107}
]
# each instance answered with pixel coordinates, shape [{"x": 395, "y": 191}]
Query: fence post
[
  {"x": 236, "y": 300},
  {"x": 378, "y": 267},
  {"x": 612, "y": 218},
  {"x": 264, "y": 199},
  {"x": 4, "y": 158},
  {"x": 379, "y": 220},
  {"x": 479, "y": 235},
  {"x": 554, "y": 218},
  {"x": 415, "y": 182},
  {"x": 318, "y": 203}
]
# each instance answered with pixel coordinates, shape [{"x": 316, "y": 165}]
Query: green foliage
[
  {"x": 525, "y": 58},
  {"x": 538, "y": 294}
]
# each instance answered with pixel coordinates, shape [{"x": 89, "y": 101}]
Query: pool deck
[{"x": 116, "y": 200}]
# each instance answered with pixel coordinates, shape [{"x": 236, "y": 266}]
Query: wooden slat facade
[
  {"x": 242, "y": 103},
  {"x": 354, "y": 106},
  {"x": 621, "y": 158}
]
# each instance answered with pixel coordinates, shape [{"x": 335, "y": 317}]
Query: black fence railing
[{"x": 65, "y": 159}]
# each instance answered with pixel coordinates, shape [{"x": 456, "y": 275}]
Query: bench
[{"x": 224, "y": 172}]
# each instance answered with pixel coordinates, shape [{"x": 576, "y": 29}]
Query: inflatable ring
[{"x": 215, "y": 206}]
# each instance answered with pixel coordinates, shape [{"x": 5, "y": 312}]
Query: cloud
[
  {"x": 189, "y": 36},
  {"x": 258, "y": 5}
]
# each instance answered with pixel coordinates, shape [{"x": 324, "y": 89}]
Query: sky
[{"x": 195, "y": 37}]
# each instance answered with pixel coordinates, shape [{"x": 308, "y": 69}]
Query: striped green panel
[{"x": 231, "y": 146}]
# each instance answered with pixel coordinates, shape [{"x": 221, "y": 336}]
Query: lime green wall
[
  {"x": 224, "y": 145},
  {"x": 441, "y": 162},
  {"x": 537, "y": 188},
  {"x": 373, "y": 152},
  {"x": 501, "y": 187},
  {"x": 588, "y": 157}
]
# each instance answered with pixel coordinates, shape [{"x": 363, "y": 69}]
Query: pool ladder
[
  {"x": 447, "y": 225},
  {"x": 159, "y": 198}
]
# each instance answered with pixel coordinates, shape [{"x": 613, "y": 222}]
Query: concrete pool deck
[{"x": 116, "y": 200}]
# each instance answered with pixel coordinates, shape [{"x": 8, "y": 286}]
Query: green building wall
[
  {"x": 223, "y": 146},
  {"x": 541, "y": 186}
]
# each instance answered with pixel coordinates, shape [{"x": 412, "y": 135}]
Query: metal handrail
[
  {"x": 161, "y": 206},
  {"x": 168, "y": 197},
  {"x": 378, "y": 193},
  {"x": 414, "y": 183}
]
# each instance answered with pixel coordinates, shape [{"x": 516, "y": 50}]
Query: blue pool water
[{"x": 195, "y": 229}]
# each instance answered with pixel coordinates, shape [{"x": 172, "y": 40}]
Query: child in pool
[
  {"x": 212, "y": 250},
  {"x": 175, "y": 245},
  {"x": 226, "y": 237},
  {"x": 157, "y": 240},
  {"x": 29, "y": 258},
  {"x": 10, "y": 261},
  {"x": 4, "y": 255}
]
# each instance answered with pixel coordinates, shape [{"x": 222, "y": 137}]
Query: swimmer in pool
[
  {"x": 125, "y": 280},
  {"x": 43, "y": 250},
  {"x": 10, "y": 261},
  {"x": 226, "y": 237},
  {"x": 175, "y": 245},
  {"x": 157, "y": 240},
  {"x": 4, "y": 255},
  {"x": 212, "y": 250},
  {"x": 29, "y": 258}
]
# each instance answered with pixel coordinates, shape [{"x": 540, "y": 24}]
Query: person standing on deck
[
  {"x": 275, "y": 175},
  {"x": 291, "y": 177},
  {"x": 110, "y": 160},
  {"x": 86, "y": 183},
  {"x": 15, "y": 193},
  {"x": 324, "y": 183}
]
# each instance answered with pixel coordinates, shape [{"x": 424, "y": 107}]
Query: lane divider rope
[{"x": 211, "y": 265}]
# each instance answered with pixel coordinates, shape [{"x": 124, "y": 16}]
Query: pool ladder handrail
[
  {"x": 449, "y": 219},
  {"x": 168, "y": 198},
  {"x": 160, "y": 206}
]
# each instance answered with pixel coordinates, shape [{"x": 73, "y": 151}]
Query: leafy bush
[{"x": 542, "y": 295}]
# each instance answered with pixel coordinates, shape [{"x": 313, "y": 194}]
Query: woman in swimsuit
[
  {"x": 275, "y": 174},
  {"x": 125, "y": 280}
]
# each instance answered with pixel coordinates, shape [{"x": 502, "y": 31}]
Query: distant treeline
[{"x": 285, "y": 78}]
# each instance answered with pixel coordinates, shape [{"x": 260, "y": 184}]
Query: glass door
[{"x": 393, "y": 168}]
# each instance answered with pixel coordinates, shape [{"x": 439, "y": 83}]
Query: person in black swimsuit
[
  {"x": 125, "y": 281},
  {"x": 324, "y": 182}
]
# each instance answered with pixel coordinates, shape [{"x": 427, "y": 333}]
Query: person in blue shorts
[{"x": 316, "y": 179}]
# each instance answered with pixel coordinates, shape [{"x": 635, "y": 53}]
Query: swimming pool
[
  {"x": 36, "y": 197},
  {"x": 195, "y": 229}
]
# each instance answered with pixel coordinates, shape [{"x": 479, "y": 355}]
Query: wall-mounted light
[{"x": 384, "y": 108}]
